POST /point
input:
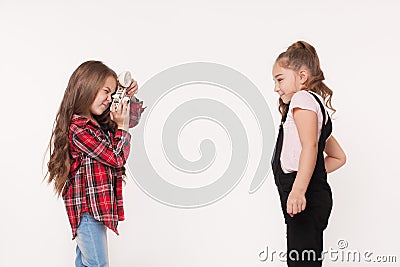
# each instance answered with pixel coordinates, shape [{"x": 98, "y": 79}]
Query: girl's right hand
[
  {"x": 296, "y": 203},
  {"x": 121, "y": 115}
]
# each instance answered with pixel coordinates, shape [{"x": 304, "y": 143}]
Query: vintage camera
[{"x": 124, "y": 81}]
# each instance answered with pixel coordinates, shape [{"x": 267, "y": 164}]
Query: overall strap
[
  {"x": 325, "y": 131},
  {"x": 322, "y": 109}
]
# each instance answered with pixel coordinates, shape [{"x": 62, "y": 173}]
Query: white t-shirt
[{"x": 291, "y": 147}]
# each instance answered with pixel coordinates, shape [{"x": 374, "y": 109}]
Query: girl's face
[
  {"x": 103, "y": 98},
  {"x": 287, "y": 82}
]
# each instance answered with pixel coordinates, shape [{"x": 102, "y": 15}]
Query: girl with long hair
[
  {"x": 299, "y": 165},
  {"x": 89, "y": 146}
]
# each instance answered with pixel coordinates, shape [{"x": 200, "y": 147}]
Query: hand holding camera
[
  {"x": 121, "y": 115},
  {"x": 124, "y": 81}
]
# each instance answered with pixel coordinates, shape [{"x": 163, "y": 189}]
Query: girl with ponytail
[
  {"x": 89, "y": 146},
  {"x": 299, "y": 164}
]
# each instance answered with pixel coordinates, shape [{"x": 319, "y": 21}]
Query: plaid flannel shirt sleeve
[
  {"x": 135, "y": 112},
  {"x": 111, "y": 154}
]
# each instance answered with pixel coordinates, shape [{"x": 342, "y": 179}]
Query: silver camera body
[{"x": 124, "y": 81}]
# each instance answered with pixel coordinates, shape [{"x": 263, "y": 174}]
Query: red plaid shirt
[{"x": 94, "y": 184}]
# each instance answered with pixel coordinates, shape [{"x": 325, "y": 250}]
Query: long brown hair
[
  {"x": 80, "y": 93},
  {"x": 302, "y": 54}
]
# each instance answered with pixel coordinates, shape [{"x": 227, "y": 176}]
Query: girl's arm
[
  {"x": 90, "y": 142},
  {"x": 336, "y": 157},
  {"x": 307, "y": 127},
  {"x": 111, "y": 154}
]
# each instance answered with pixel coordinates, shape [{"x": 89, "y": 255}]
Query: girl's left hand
[
  {"x": 132, "y": 90},
  {"x": 296, "y": 203}
]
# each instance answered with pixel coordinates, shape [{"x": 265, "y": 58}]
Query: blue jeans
[{"x": 91, "y": 240}]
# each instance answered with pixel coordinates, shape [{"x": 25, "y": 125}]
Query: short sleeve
[{"x": 303, "y": 100}]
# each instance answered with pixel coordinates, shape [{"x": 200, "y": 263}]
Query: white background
[{"x": 42, "y": 42}]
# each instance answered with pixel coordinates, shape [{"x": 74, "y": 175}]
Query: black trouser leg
[
  {"x": 304, "y": 241},
  {"x": 305, "y": 230}
]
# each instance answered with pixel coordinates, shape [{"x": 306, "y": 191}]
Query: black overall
[{"x": 305, "y": 229}]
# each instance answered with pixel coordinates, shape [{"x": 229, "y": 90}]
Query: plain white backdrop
[{"x": 42, "y": 42}]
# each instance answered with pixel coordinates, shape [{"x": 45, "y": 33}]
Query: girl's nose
[{"x": 276, "y": 89}]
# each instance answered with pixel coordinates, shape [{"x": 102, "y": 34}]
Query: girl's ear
[{"x": 303, "y": 75}]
